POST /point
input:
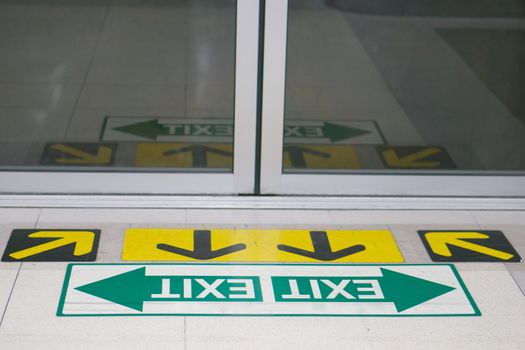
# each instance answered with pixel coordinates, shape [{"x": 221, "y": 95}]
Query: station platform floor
[{"x": 30, "y": 291}]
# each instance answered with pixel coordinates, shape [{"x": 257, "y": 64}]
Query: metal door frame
[{"x": 361, "y": 183}]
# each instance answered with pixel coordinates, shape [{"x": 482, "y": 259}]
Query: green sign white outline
[
  {"x": 69, "y": 269},
  {"x": 155, "y": 129}
]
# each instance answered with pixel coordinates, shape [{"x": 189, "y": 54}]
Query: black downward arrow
[
  {"x": 296, "y": 154},
  {"x": 202, "y": 247},
  {"x": 199, "y": 154},
  {"x": 322, "y": 250}
]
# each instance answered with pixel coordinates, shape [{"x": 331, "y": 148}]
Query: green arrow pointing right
[
  {"x": 408, "y": 291},
  {"x": 336, "y": 132}
]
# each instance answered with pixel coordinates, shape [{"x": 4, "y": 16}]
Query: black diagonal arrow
[
  {"x": 199, "y": 154},
  {"x": 322, "y": 249},
  {"x": 296, "y": 154},
  {"x": 202, "y": 247}
]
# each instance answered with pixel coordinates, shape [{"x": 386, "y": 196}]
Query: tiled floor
[{"x": 29, "y": 292}]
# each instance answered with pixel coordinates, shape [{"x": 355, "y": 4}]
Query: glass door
[
  {"x": 128, "y": 96},
  {"x": 393, "y": 98}
]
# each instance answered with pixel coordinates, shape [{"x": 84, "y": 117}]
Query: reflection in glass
[
  {"x": 405, "y": 85},
  {"x": 125, "y": 83}
]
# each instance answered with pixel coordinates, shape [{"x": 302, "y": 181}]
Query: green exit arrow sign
[
  {"x": 222, "y": 130},
  {"x": 271, "y": 290}
]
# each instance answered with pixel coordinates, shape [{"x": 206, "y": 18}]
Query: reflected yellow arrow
[
  {"x": 414, "y": 160},
  {"x": 102, "y": 157},
  {"x": 440, "y": 241},
  {"x": 83, "y": 243}
]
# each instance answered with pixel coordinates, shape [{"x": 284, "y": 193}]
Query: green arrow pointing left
[
  {"x": 128, "y": 289},
  {"x": 150, "y": 129}
]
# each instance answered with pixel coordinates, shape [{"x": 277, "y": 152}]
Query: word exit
[{"x": 326, "y": 289}]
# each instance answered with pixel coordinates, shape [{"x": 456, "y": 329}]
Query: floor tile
[
  {"x": 43, "y": 43},
  {"x": 7, "y": 281},
  {"x": 36, "y": 112},
  {"x": 153, "y": 96},
  {"x": 141, "y": 45},
  {"x": 410, "y": 244},
  {"x": 211, "y": 100},
  {"x": 131, "y": 217},
  {"x": 497, "y": 217},
  {"x": 258, "y": 218},
  {"x": 401, "y": 217},
  {"x": 32, "y": 310},
  {"x": 18, "y": 215},
  {"x": 518, "y": 273},
  {"x": 10, "y": 219}
]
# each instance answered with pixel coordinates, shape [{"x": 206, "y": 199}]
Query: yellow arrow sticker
[
  {"x": 43, "y": 245},
  {"x": 78, "y": 154},
  {"x": 102, "y": 157},
  {"x": 415, "y": 160},
  {"x": 184, "y": 155},
  {"x": 468, "y": 246},
  {"x": 220, "y": 155},
  {"x": 415, "y": 157},
  {"x": 141, "y": 244},
  {"x": 320, "y": 157}
]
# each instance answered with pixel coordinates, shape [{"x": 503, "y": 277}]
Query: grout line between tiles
[
  {"x": 17, "y": 274},
  {"x": 38, "y": 218},
  {"x": 522, "y": 289},
  {"x": 185, "y": 318},
  {"x": 474, "y": 218},
  {"x": 88, "y": 68},
  {"x": 10, "y": 294}
]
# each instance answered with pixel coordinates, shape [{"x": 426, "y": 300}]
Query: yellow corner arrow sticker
[
  {"x": 44, "y": 245},
  {"x": 415, "y": 157},
  {"x": 78, "y": 153},
  {"x": 102, "y": 157},
  {"x": 415, "y": 160},
  {"x": 83, "y": 243},
  {"x": 457, "y": 246},
  {"x": 260, "y": 245}
]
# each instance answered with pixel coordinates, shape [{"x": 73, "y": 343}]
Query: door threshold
[{"x": 259, "y": 202}]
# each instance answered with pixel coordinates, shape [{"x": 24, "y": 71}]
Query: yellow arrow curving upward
[
  {"x": 83, "y": 243},
  {"x": 102, "y": 157},
  {"x": 414, "y": 160},
  {"x": 439, "y": 242}
]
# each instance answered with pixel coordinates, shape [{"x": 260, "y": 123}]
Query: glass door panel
[
  {"x": 145, "y": 90},
  {"x": 394, "y": 98}
]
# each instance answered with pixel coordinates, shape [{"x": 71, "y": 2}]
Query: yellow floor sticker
[
  {"x": 320, "y": 157},
  {"x": 78, "y": 154},
  {"x": 244, "y": 245},
  {"x": 220, "y": 155},
  {"x": 184, "y": 155}
]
